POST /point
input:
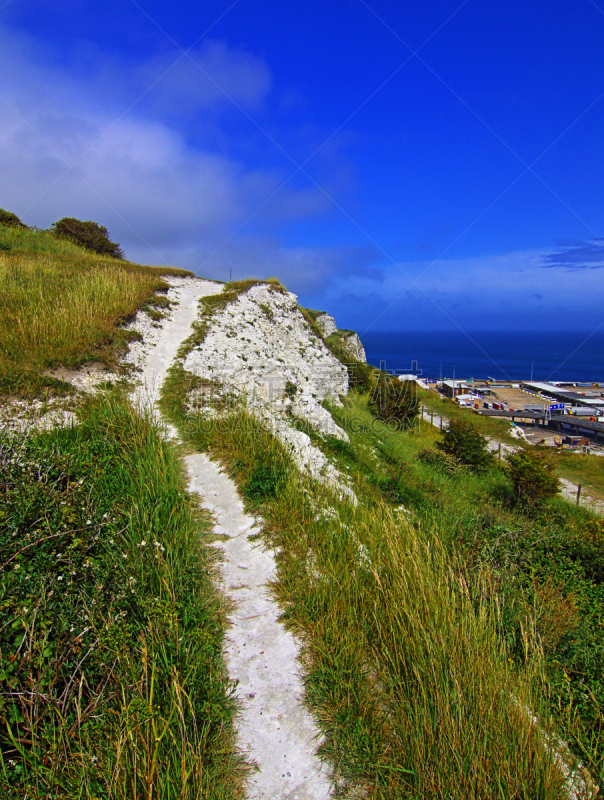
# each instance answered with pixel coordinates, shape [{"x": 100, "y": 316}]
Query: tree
[
  {"x": 392, "y": 399},
  {"x": 466, "y": 443},
  {"x": 532, "y": 477},
  {"x": 87, "y": 234},
  {"x": 10, "y": 220}
]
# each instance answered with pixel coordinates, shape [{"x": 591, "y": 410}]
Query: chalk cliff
[
  {"x": 346, "y": 341},
  {"x": 260, "y": 347}
]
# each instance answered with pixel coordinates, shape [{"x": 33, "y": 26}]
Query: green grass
[
  {"x": 586, "y": 470},
  {"x": 546, "y": 566},
  {"x": 531, "y": 580},
  {"x": 112, "y": 683},
  {"x": 490, "y": 426},
  {"x": 405, "y": 665},
  {"x": 64, "y": 305}
]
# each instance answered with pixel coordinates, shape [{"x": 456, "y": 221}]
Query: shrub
[
  {"x": 88, "y": 234},
  {"x": 442, "y": 461},
  {"x": 392, "y": 399},
  {"x": 466, "y": 443},
  {"x": 360, "y": 375},
  {"x": 391, "y": 490},
  {"x": 532, "y": 477},
  {"x": 10, "y": 220}
]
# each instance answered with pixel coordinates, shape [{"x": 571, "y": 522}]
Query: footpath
[{"x": 275, "y": 731}]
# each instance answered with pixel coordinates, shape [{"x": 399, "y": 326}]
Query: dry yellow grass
[
  {"x": 52, "y": 314},
  {"x": 62, "y": 304}
]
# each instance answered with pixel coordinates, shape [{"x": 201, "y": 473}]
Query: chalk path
[{"x": 275, "y": 730}]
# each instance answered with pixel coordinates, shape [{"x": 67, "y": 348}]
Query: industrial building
[
  {"x": 453, "y": 389},
  {"x": 592, "y": 397}
]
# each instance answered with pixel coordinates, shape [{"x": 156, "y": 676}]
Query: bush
[
  {"x": 10, "y": 220},
  {"x": 532, "y": 477},
  {"x": 360, "y": 375},
  {"x": 392, "y": 399},
  {"x": 442, "y": 461},
  {"x": 88, "y": 234},
  {"x": 466, "y": 443}
]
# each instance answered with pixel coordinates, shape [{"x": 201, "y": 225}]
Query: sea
[{"x": 502, "y": 355}]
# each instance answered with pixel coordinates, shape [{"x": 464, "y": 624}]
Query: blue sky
[{"x": 405, "y": 166}]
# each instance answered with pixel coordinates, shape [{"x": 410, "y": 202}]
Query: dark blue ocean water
[{"x": 561, "y": 355}]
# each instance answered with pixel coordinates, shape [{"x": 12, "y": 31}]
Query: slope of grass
[
  {"x": 111, "y": 677},
  {"x": 490, "y": 426},
  {"x": 416, "y": 691},
  {"x": 546, "y": 567},
  {"x": 64, "y": 305},
  {"x": 586, "y": 470}
]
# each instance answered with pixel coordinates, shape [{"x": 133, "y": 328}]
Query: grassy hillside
[
  {"x": 434, "y": 614},
  {"x": 111, "y": 676},
  {"x": 62, "y": 304},
  {"x": 437, "y": 616},
  {"x": 112, "y": 683},
  {"x": 544, "y": 567}
]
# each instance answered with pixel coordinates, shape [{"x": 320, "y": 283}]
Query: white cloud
[
  {"x": 212, "y": 75},
  {"x": 139, "y": 175},
  {"x": 304, "y": 270},
  {"x": 167, "y": 195}
]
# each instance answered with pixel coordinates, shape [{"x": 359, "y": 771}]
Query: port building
[{"x": 592, "y": 397}]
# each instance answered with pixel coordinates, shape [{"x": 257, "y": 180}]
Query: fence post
[
  {"x": 500, "y": 451},
  {"x": 578, "y": 494}
]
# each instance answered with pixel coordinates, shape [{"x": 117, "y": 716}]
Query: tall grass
[
  {"x": 32, "y": 242},
  {"x": 53, "y": 316},
  {"x": 62, "y": 304},
  {"x": 545, "y": 566},
  {"x": 111, "y": 677}
]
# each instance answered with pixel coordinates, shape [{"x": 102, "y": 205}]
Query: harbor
[{"x": 562, "y": 414}]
